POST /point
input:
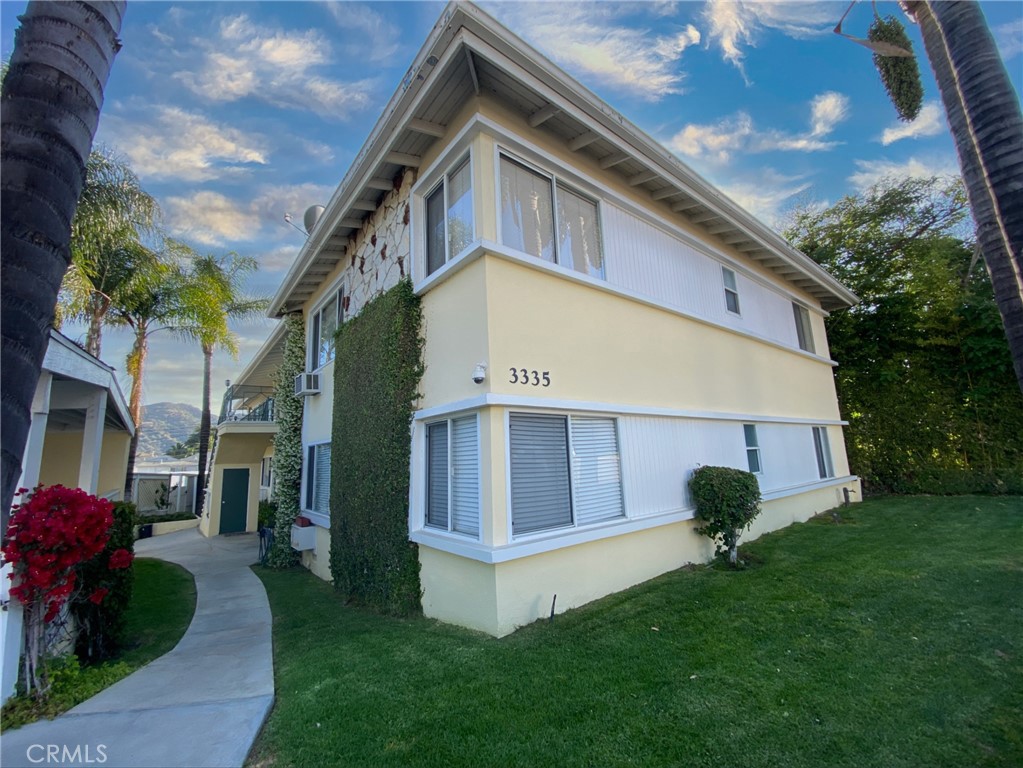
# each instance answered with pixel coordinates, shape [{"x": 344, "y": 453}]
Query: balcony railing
[{"x": 247, "y": 403}]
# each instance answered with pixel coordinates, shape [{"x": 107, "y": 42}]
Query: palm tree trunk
[
  {"x": 50, "y": 108},
  {"x": 98, "y": 307},
  {"x": 984, "y": 115},
  {"x": 204, "y": 426},
  {"x": 136, "y": 365}
]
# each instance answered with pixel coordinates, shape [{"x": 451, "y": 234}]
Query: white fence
[{"x": 167, "y": 494}]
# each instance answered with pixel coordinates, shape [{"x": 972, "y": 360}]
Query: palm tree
[
  {"x": 49, "y": 109},
  {"x": 984, "y": 115},
  {"x": 113, "y": 212},
  {"x": 152, "y": 302},
  {"x": 213, "y": 297}
]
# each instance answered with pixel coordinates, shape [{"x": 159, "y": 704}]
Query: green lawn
[
  {"x": 162, "y": 604},
  {"x": 893, "y": 639}
]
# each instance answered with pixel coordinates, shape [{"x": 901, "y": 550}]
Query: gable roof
[{"x": 469, "y": 53}]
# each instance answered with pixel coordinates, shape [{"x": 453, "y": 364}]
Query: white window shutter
[
  {"x": 596, "y": 470},
  {"x": 465, "y": 476}
]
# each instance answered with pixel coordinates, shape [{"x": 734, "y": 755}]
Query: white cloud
[
  {"x": 826, "y": 111},
  {"x": 213, "y": 219},
  {"x": 930, "y": 122},
  {"x": 720, "y": 141},
  {"x": 768, "y": 195},
  {"x": 243, "y": 60},
  {"x": 279, "y": 259},
  {"x": 1009, "y": 38},
  {"x": 736, "y": 24},
  {"x": 590, "y": 40},
  {"x": 170, "y": 143},
  {"x": 870, "y": 172},
  {"x": 371, "y": 36}
]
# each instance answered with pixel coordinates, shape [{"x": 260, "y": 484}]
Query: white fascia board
[
  {"x": 66, "y": 358},
  {"x": 372, "y": 152}
]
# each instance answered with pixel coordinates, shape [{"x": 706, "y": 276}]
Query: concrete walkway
[{"x": 203, "y": 703}]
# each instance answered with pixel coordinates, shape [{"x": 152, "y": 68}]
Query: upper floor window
[
  {"x": 324, "y": 324},
  {"x": 449, "y": 217},
  {"x": 804, "y": 332},
  {"x": 731, "y": 290},
  {"x": 546, "y": 219}
]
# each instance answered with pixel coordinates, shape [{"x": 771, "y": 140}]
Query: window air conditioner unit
[{"x": 307, "y": 384}]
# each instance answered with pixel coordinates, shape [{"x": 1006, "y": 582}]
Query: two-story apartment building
[{"x": 598, "y": 321}]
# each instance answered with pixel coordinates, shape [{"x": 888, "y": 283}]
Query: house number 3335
[{"x": 529, "y": 378}]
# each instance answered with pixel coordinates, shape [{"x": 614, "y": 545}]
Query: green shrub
[
  {"x": 101, "y": 624},
  {"x": 376, "y": 385},
  {"x": 266, "y": 514},
  {"x": 900, "y": 74},
  {"x": 727, "y": 500}
]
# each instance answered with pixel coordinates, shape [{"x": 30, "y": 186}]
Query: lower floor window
[
  {"x": 317, "y": 478},
  {"x": 823, "y": 450},
  {"x": 453, "y": 475},
  {"x": 565, "y": 471}
]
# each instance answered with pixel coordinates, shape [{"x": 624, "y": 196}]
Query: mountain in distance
[{"x": 164, "y": 424}]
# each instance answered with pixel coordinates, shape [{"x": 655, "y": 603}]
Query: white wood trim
[
  {"x": 535, "y": 544},
  {"x": 587, "y": 406}
]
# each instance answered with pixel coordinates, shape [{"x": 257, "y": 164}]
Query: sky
[{"x": 234, "y": 114}]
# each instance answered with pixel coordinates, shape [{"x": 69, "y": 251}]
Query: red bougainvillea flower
[
  {"x": 97, "y": 596},
  {"x": 121, "y": 558},
  {"x": 50, "y": 533}
]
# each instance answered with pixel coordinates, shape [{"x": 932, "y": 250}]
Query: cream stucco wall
[
  {"x": 499, "y": 598},
  {"x": 62, "y": 457},
  {"x": 603, "y": 347},
  {"x": 317, "y": 560}
]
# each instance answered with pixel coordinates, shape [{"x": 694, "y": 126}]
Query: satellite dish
[{"x": 312, "y": 216}]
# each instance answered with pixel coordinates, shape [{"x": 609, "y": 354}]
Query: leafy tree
[
  {"x": 114, "y": 213},
  {"x": 925, "y": 377},
  {"x": 49, "y": 109},
  {"x": 214, "y": 295}
]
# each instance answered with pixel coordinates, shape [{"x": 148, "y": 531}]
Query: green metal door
[{"x": 234, "y": 500}]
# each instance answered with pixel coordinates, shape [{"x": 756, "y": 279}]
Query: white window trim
[
  {"x": 306, "y": 511},
  {"x": 808, "y": 330},
  {"x": 760, "y": 453},
  {"x": 575, "y": 526},
  {"x": 829, "y": 460},
  {"x": 563, "y": 538},
  {"x": 442, "y": 181},
  {"x": 338, "y": 290},
  {"x": 460, "y": 147},
  {"x": 555, "y": 178},
  {"x": 423, "y": 525},
  {"x": 725, "y": 269}
]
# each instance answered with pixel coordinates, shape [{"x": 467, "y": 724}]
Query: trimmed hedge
[
  {"x": 377, "y": 369},
  {"x": 727, "y": 500},
  {"x": 101, "y": 627}
]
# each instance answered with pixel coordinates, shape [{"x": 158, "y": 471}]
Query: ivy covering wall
[
  {"x": 287, "y": 460},
  {"x": 377, "y": 370}
]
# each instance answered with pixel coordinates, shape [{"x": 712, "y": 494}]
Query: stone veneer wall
[{"x": 379, "y": 254}]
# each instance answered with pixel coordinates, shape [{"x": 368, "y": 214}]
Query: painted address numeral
[{"x": 529, "y": 378}]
